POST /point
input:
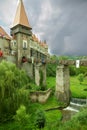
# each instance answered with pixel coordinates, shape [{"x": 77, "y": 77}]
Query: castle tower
[{"x": 21, "y": 32}]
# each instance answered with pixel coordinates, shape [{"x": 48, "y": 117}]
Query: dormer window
[{"x": 24, "y": 44}]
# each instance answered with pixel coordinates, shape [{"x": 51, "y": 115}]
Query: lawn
[
  {"x": 52, "y": 116},
  {"x": 77, "y": 89}
]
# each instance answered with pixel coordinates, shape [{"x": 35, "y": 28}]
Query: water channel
[{"x": 73, "y": 108}]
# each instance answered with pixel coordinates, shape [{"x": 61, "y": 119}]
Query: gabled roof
[
  {"x": 4, "y": 34},
  {"x": 20, "y": 16}
]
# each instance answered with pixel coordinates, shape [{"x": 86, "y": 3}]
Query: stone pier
[
  {"x": 37, "y": 75},
  {"x": 29, "y": 68},
  {"x": 63, "y": 84},
  {"x": 40, "y": 74}
]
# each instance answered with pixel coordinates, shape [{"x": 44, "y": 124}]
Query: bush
[
  {"x": 81, "y": 78},
  {"x": 51, "y": 70},
  {"x": 21, "y": 116},
  {"x": 72, "y": 70},
  {"x": 12, "y": 80},
  {"x": 40, "y": 119}
]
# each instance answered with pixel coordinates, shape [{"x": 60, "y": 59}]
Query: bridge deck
[
  {"x": 60, "y": 62},
  {"x": 73, "y": 62}
]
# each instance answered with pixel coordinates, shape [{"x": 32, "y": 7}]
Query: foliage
[
  {"x": 51, "y": 70},
  {"x": 12, "y": 94},
  {"x": 78, "y": 122},
  {"x": 42, "y": 86},
  {"x": 72, "y": 70},
  {"x": 81, "y": 78},
  {"x": 76, "y": 71},
  {"x": 77, "y": 90},
  {"x": 40, "y": 119},
  {"x": 21, "y": 116}
]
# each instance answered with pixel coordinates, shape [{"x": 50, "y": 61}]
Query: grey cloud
[{"x": 63, "y": 24}]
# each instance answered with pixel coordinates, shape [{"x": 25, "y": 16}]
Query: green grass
[
  {"x": 52, "y": 117},
  {"x": 9, "y": 126},
  {"x": 51, "y": 82},
  {"x": 77, "y": 89}
]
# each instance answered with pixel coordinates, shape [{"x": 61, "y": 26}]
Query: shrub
[
  {"x": 81, "y": 78},
  {"x": 51, "y": 70},
  {"x": 21, "y": 116},
  {"x": 12, "y": 80},
  {"x": 40, "y": 119}
]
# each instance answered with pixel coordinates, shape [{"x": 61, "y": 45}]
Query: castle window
[
  {"x": 13, "y": 42},
  {"x": 13, "y": 52},
  {"x": 24, "y": 44}
]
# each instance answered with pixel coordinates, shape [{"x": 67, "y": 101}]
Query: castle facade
[{"x": 22, "y": 45}]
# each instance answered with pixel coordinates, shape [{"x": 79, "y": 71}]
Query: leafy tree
[
  {"x": 81, "y": 78},
  {"x": 12, "y": 94}
]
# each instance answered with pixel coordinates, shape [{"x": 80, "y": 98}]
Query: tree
[
  {"x": 81, "y": 78},
  {"x": 12, "y": 94}
]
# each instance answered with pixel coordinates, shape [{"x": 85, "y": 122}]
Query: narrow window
[
  {"x": 24, "y": 44},
  {"x": 13, "y": 42}
]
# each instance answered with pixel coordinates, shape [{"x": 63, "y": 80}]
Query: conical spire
[{"x": 21, "y": 17}]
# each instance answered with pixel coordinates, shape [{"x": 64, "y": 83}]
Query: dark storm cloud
[{"x": 63, "y": 25}]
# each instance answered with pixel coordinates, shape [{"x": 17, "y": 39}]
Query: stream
[{"x": 71, "y": 110}]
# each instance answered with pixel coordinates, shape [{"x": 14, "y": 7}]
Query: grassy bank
[
  {"x": 53, "y": 117},
  {"x": 77, "y": 89}
]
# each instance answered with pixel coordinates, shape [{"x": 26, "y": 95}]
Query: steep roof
[
  {"x": 20, "y": 16},
  {"x": 4, "y": 34}
]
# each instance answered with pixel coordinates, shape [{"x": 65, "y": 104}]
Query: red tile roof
[{"x": 4, "y": 34}]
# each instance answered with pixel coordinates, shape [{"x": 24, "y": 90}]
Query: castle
[{"x": 22, "y": 45}]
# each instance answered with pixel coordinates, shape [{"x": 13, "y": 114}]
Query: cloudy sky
[{"x": 62, "y": 23}]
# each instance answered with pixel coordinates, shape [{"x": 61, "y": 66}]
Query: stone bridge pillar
[
  {"x": 29, "y": 68},
  {"x": 37, "y": 75},
  {"x": 40, "y": 74},
  {"x": 63, "y": 84}
]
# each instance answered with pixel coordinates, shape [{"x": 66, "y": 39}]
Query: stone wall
[
  {"x": 63, "y": 84},
  {"x": 37, "y": 75},
  {"x": 40, "y": 67},
  {"x": 40, "y": 96},
  {"x": 29, "y": 68}
]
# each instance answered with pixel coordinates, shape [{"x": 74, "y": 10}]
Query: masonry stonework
[
  {"x": 23, "y": 46},
  {"x": 38, "y": 69},
  {"x": 63, "y": 84}
]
